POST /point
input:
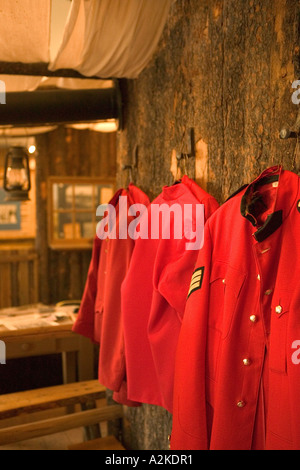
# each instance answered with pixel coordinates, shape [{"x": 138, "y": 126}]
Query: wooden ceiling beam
[
  {"x": 40, "y": 69},
  {"x": 46, "y": 107}
]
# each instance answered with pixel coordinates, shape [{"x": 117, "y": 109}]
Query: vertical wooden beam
[
  {"x": 42, "y": 165},
  {"x": 5, "y": 285},
  {"x": 23, "y": 283}
]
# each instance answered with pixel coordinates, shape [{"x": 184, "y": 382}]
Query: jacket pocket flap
[
  {"x": 280, "y": 305},
  {"x": 231, "y": 277}
]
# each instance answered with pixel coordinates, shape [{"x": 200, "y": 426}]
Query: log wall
[{"x": 225, "y": 69}]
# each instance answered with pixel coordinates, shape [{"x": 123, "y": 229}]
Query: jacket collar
[{"x": 286, "y": 185}]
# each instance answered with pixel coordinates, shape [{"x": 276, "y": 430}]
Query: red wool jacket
[
  {"x": 153, "y": 299},
  {"x": 236, "y": 385},
  {"x": 99, "y": 317}
]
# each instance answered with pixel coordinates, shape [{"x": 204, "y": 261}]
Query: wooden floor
[{"x": 60, "y": 441}]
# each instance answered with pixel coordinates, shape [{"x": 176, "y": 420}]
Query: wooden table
[{"x": 42, "y": 339}]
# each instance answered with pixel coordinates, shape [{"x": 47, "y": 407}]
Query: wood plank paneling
[
  {"x": 18, "y": 278},
  {"x": 23, "y": 282},
  {"x": 6, "y": 287},
  {"x": 67, "y": 152}
]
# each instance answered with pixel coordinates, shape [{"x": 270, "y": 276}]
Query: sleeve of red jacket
[
  {"x": 172, "y": 274},
  {"x": 210, "y": 206},
  {"x": 175, "y": 264},
  {"x": 84, "y": 324},
  {"x": 189, "y": 430}
]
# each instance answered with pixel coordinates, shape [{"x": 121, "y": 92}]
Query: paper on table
[
  {"x": 36, "y": 316},
  {"x": 26, "y": 310},
  {"x": 28, "y": 321}
]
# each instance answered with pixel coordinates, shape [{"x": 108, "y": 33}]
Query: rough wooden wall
[{"x": 224, "y": 68}]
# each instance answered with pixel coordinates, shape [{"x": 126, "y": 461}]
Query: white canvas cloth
[
  {"x": 98, "y": 38},
  {"x": 111, "y": 38},
  {"x": 20, "y": 82},
  {"x": 24, "y": 30},
  {"x": 76, "y": 83}
]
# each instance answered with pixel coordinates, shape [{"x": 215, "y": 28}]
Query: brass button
[
  {"x": 223, "y": 280},
  {"x": 253, "y": 318},
  {"x": 258, "y": 277},
  {"x": 268, "y": 292},
  {"x": 241, "y": 404},
  {"x": 278, "y": 309},
  {"x": 246, "y": 362}
]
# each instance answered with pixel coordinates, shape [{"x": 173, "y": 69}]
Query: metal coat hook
[
  {"x": 128, "y": 167},
  {"x": 191, "y": 147},
  {"x": 134, "y": 164},
  {"x": 292, "y": 132}
]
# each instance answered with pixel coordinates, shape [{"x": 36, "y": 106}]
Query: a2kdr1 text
[{"x": 159, "y": 459}]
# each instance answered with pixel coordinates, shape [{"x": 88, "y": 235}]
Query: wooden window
[{"x": 72, "y": 210}]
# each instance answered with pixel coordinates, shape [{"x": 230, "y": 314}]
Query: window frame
[{"x": 72, "y": 243}]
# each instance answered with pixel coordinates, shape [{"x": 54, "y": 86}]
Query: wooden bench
[
  {"x": 103, "y": 443},
  {"x": 16, "y": 404}
]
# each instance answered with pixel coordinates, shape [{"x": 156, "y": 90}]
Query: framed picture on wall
[
  {"x": 72, "y": 204},
  {"x": 10, "y": 214}
]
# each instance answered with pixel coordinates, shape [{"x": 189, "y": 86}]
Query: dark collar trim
[
  {"x": 273, "y": 222},
  {"x": 247, "y": 213},
  {"x": 237, "y": 192},
  {"x": 267, "y": 180},
  {"x": 244, "y": 208}
]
